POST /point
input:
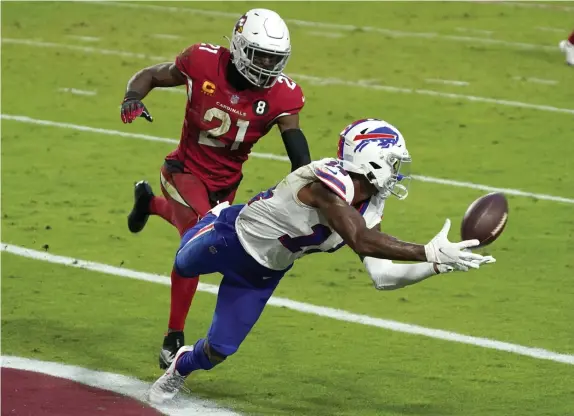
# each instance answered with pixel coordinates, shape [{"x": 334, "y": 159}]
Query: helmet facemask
[
  {"x": 392, "y": 177},
  {"x": 260, "y": 66}
]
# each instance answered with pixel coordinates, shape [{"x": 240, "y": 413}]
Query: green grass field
[{"x": 68, "y": 191}]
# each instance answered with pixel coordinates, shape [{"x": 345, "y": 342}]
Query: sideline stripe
[
  {"x": 183, "y": 405},
  {"x": 323, "y": 311},
  {"x": 310, "y": 78},
  {"x": 429, "y": 179}
]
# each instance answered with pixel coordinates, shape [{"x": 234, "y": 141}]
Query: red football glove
[{"x": 133, "y": 108}]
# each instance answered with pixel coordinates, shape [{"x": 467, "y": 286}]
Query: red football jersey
[{"x": 222, "y": 124}]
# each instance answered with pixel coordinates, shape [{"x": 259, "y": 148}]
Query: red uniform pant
[{"x": 186, "y": 200}]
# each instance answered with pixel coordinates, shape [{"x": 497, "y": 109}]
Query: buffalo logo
[
  {"x": 208, "y": 87},
  {"x": 240, "y": 23},
  {"x": 234, "y": 99},
  {"x": 383, "y": 137}
]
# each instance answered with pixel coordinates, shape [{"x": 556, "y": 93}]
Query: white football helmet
[
  {"x": 377, "y": 149},
  {"x": 260, "y": 46}
]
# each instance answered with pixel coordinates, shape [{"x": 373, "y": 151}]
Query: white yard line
[
  {"x": 85, "y": 38},
  {"x": 536, "y": 80},
  {"x": 477, "y": 31},
  {"x": 86, "y": 49},
  {"x": 323, "y": 311},
  {"x": 332, "y": 26},
  {"x": 430, "y": 179},
  {"x": 183, "y": 405},
  {"x": 312, "y": 79},
  {"x": 336, "y": 81},
  {"x": 332, "y": 35},
  {"x": 447, "y": 82},
  {"x": 554, "y": 30},
  {"x": 531, "y": 5},
  {"x": 166, "y": 36},
  {"x": 76, "y": 91}
]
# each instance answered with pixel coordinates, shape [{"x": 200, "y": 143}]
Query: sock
[
  {"x": 182, "y": 293},
  {"x": 160, "y": 206},
  {"x": 571, "y": 38},
  {"x": 194, "y": 360}
]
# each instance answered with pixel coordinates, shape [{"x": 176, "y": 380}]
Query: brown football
[{"x": 485, "y": 218}]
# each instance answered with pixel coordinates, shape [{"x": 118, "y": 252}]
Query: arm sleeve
[
  {"x": 297, "y": 148},
  {"x": 387, "y": 275}
]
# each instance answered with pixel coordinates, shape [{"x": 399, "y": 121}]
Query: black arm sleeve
[{"x": 297, "y": 148}]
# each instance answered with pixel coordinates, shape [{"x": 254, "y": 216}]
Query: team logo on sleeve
[
  {"x": 260, "y": 107},
  {"x": 240, "y": 23}
]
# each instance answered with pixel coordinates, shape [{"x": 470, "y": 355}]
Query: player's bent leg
[
  {"x": 239, "y": 306},
  {"x": 214, "y": 246},
  {"x": 187, "y": 199},
  {"x": 183, "y": 289}
]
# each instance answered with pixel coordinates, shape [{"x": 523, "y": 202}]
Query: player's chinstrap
[{"x": 319, "y": 207}]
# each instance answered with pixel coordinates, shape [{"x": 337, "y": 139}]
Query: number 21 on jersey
[{"x": 210, "y": 137}]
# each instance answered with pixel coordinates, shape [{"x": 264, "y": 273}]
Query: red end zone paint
[
  {"x": 37, "y": 388},
  {"x": 28, "y": 393}
]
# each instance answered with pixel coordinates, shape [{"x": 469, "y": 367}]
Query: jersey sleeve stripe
[{"x": 334, "y": 183}]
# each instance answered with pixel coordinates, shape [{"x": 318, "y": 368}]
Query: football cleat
[
  {"x": 568, "y": 50},
  {"x": 172, "y": 342},
  {"x": 139, "y": 215},
  {"x": 171, "y": 382}
]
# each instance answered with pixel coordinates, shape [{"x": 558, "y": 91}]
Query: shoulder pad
[{"x": 331, "y": 173}]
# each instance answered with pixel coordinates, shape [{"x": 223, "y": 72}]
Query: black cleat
[
  {"x": 172, "y": 342},
  {"x": 137, "y": 219}
]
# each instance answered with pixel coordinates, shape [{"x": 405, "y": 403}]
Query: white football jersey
[{"x": 276, "y": 229}]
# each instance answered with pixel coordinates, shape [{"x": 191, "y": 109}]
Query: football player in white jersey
[{"x": 317, "y": 208}]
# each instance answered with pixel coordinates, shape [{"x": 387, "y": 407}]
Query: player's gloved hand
[
  {"x": 455, "y": 267},
  {"x": 133, "y": 108},
  {"x": 440, "y": 250}
]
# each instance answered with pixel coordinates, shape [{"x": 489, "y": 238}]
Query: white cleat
[
  {"x": 171, "y": 382},
  {"x": 568, "y": 50}
]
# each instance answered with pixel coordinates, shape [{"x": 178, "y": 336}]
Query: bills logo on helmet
[
  {"x": 384, "y": 137},
  {"x": 354, "y": 124},
  {"x": 240, "y": 23}
]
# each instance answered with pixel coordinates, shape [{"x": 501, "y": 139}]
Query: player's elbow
[
  {"x": 384, "y": 273},
  {"x": 387, "y": 286}
]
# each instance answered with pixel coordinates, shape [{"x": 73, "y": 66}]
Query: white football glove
[
  {"x": 454, "y": 267},
  {"x": 442, "y": 251}
]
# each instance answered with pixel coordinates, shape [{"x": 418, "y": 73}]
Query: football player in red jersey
[
  {"x": 235, "y": 96},
  {"x": 567, "y": 46}
]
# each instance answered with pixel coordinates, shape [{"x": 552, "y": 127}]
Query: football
[{"x": 485, "y": 219}]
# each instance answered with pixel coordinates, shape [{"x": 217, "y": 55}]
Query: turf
[{"x": 68, "y": 192}]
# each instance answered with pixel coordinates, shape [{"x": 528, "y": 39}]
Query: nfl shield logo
[{"x": 234, "y": 99}]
